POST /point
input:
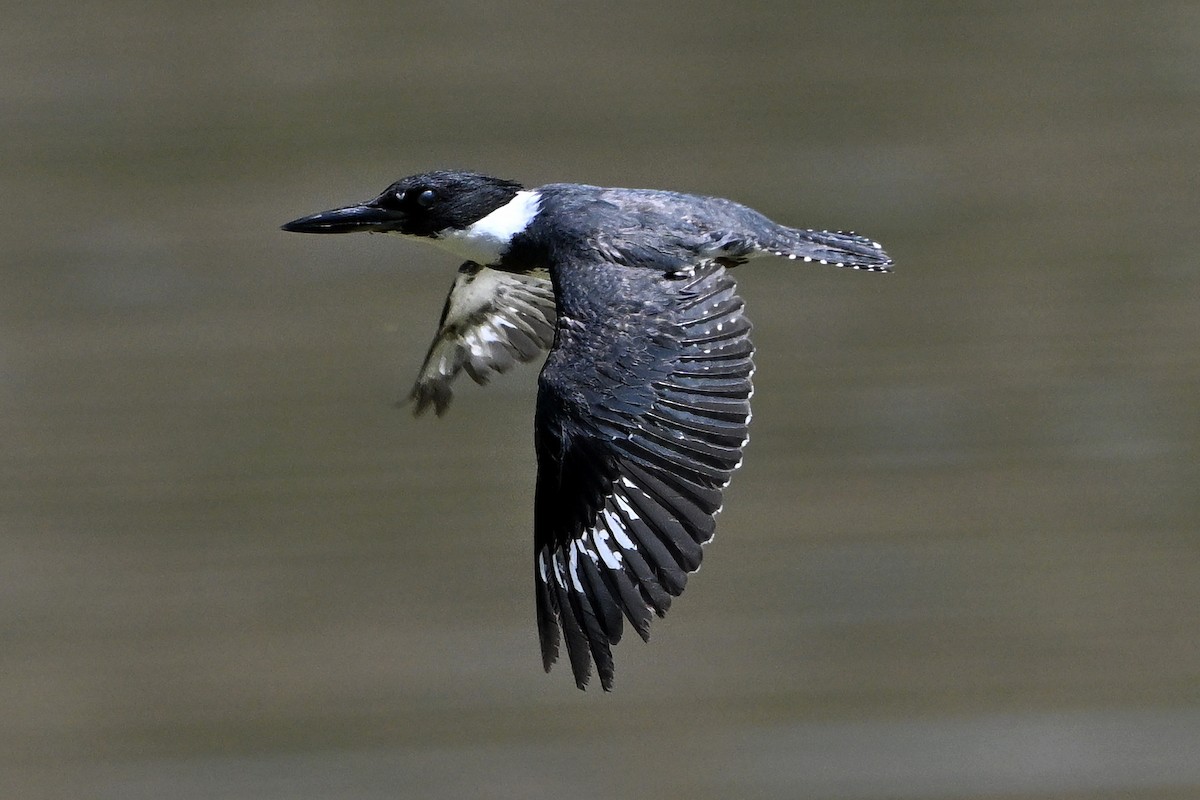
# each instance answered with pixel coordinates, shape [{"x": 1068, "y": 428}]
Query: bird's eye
[{"x": 425, "y": 199}]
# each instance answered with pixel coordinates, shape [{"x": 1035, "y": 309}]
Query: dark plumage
[{"x": 644, "y": 399}]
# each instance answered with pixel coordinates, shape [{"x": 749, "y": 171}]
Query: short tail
[{"x": 837, "y": 248}]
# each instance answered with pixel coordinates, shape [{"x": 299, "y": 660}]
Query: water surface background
[{"x": 961, "y": 560}]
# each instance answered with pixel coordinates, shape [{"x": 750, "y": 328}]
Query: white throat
[{"x": 486, "y": 240}]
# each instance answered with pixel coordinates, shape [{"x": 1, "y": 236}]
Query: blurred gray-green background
[{"x": 961, "y": 560}]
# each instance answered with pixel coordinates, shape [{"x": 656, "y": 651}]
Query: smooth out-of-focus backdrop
[{"x": 962, "y": 558}]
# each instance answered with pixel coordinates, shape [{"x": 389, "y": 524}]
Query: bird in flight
[{"x": 643, "y": 401}]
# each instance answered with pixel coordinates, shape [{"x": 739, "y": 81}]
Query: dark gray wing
[
  {"x": 491, "y": 320},
  {"x": 640, "y": 424}
]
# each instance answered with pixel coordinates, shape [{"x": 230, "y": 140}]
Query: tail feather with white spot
[{"x": 836, "y": 248}]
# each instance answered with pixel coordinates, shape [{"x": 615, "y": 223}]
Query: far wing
[{"x": 491, "y": 320}]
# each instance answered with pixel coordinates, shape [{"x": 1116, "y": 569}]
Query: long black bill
[{"x": 351, "y": 219}]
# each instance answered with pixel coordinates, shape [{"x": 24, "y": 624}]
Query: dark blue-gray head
[{"x": 429, "y": 205}]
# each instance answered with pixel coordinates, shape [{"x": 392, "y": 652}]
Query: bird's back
[{"x": 657, "y": 228}]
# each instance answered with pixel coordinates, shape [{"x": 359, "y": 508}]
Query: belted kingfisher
[{"x": 643, "y": 402}]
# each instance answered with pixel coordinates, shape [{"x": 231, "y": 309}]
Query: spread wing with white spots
[
  {"x": 491, "y": 320},
  {"x": 633, "y": 456}
]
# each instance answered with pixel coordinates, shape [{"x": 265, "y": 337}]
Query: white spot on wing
[
  {"x": 474, "y": 345},
  {"x": 575, "y": 566},
  {"x": 612, "y": 558},
  {"x": 617, "y": 526},
  {"x": 560, "y": 571},
  {"x": 624, "y": 504}
]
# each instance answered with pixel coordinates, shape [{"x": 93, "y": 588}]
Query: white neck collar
[{"x": 486, "y": 240}]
